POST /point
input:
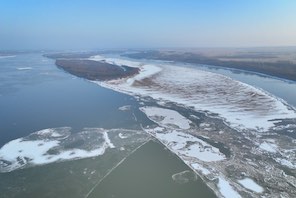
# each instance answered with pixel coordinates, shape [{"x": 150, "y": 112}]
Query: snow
[
  {"x": 24, "y": 68},
  {"x": 108, "y": 141},
  {"x": 198, "y": 167},
  {"x": 202, "y": 153},
  {"x": 115, "y": 61},
  {"x": 251, "y": 185},
  {"x": 187, "y": 146},
  {"x": 286, "y": 162},
  {"x": 49, "y": 132},
  {"x": 170, "y": 117},
  {"x": 16, "y": 152},
  {"x": 240, "y": 105},
  {"x": 268, "y": 147},
  {"x": 226, "y": 190},
  {"x": 34, "y": 149},
  {"x": 146, "y": 71},
  {"x": 120, "y": 135},
  {"x": 125, "y": 108}
]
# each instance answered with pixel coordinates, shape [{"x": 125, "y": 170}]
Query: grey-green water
[{"x": 148, "y": 173}]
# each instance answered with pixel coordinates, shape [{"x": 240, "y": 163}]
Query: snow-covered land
[
  {"x": 186, "y": 146},
  {"x": 166, "y": 117},
  {"x": 198, "y": 167},
  {"x": 240, "y": 105},
  {"x": 172, "y": 133},
  {"x": 226, "y": 190},
  {"x": 267, "y": 146},
  {"x": 251, "y": 185}
]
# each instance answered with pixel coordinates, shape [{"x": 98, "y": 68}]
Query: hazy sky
[{"x": 75, "y": 24}]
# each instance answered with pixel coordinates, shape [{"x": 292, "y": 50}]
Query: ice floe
[
  {"x": 166, "y": 117},
  {"x": 251, "y": 185},
  {"x": 240, "y": 105},
  {"x": 51, "y": 145}
]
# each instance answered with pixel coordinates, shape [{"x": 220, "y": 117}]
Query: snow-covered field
[{"x": 240, "y": 105}]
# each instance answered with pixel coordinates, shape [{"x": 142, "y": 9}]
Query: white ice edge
[{"x": 242, "y": 106}]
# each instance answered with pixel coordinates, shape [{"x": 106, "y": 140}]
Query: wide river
[{"x": 35, "y": 95}]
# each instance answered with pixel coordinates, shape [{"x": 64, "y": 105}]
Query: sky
[{"x": 95, "y": 24}]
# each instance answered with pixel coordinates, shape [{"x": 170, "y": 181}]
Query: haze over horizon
[{"x": 92, "y": 24}]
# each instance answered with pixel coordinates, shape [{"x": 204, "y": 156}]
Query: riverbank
[{"x": 259, "y": 64}]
